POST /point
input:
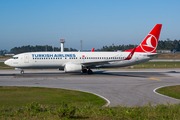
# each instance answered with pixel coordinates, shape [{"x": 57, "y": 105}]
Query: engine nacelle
[{"x": 71, "y": 67}]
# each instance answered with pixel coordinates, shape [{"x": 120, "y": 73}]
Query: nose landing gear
[{"x": 22, "y": 72}]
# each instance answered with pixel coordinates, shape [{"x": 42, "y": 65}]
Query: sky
[{"x": 97, "y": 22}]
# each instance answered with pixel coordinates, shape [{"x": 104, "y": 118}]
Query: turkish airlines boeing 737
[{"x": 85, "y": 61}]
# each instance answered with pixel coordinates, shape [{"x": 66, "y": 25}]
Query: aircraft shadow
[
  {"x": 101, "y": 73},
  {"x": 95, "y": 74},
  {"x": 131, "y": 74}
]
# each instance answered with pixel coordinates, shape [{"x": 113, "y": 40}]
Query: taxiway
[{"x": 125, "y": 87}]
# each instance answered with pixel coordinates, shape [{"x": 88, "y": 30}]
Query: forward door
[{"x": 26, "y": 58}]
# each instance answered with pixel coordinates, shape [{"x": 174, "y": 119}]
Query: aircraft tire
[
  {"x": 84, "y": 70},
  {"x": 22, "y": 72},
  {"x": 90, "y": 71}
]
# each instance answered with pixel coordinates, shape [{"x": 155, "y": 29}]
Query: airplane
[{"x": 85, "y": 61}]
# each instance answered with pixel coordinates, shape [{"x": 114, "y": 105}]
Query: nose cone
[{"x": 8, "y": 62}]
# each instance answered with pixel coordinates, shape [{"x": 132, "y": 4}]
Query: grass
[
  {"x": 147, "y": 65},
  {"x": 20, "y": 96},
  {"x": 3, "y": 66},
  {"x": 51, "y": 103},
  {"x": 169, "y": 56},
  {"x": 172, "y": 91},
  {"x": 89, "y": 112}
]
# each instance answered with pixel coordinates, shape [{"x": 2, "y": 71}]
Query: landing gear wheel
[
  {"x": 22, "y": 72},
  {"x": 90, "y": 71},
  {"x": 84, "y": 70}
]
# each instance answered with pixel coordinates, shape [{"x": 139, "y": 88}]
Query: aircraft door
[{"x": 26, "y": 58}]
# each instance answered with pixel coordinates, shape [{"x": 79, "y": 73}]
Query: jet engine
[{"x": 71, "y": 67}]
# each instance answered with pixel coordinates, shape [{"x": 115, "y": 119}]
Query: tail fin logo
[{"x": 149, "y": 44}]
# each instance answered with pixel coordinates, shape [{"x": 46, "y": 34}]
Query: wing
[{"x": 94, "y": 63}]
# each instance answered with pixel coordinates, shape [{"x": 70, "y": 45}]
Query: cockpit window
[{"x": 14, "y": 57}]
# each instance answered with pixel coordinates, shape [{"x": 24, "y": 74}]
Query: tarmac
[{"x": 125, "y": 87}]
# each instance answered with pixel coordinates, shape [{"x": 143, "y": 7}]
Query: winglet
[
  {"x": 131, "y": 54},
  {"x": 92, "y": 50}
]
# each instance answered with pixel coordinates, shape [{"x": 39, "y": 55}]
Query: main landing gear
[
  {"x": 89, "y": 71},
  {"x": 22, "y": 72}
]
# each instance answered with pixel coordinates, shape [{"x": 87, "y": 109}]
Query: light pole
[{"x": 81, "y": 44}]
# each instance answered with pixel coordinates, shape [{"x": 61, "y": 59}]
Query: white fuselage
[{"x": 60, "y": 59}]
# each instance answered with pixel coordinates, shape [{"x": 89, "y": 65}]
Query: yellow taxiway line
[{"x": 154, "y": 79}]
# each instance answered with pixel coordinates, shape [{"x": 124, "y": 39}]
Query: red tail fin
[{"x": 150, "y": 43}]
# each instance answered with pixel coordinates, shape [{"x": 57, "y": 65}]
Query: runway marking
[
  {"x": 153, "y": 78},
  {"x": 108, "y": 102}
]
